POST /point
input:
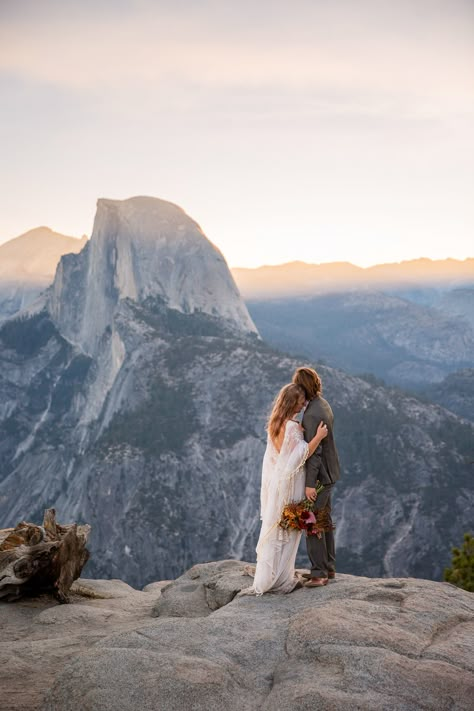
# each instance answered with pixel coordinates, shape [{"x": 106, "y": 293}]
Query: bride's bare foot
[{"x": 249, "y": 570}]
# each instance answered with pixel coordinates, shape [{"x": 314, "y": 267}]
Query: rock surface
[
  {"x": 201, "y": 590},
  {"x": 358, "y": 643},
  {"x": 39, "y": 636}
]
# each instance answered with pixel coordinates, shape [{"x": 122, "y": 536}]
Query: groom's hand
[{"x": 311, "y": 493}]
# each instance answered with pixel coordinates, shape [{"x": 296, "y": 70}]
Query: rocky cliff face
[
  {"x": 359, "y": 643},
  {"x": 143, "y": 413}
]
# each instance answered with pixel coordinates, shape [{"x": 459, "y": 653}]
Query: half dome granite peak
[{"x": 142, "y": 249}]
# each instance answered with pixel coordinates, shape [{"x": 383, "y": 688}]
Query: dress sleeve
[
  {"x": 266, "y": 475},
  {"x": 294, "y": 450}
]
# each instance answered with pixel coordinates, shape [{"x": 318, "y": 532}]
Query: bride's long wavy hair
[{"x": 286, "y": 403}]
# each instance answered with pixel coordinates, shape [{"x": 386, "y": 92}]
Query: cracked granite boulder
[
  {"x": 358, "y": 643},
  {"x": 201, "y": 590}
]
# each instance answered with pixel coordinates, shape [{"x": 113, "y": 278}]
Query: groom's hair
[{"x": 309, "y": 380}]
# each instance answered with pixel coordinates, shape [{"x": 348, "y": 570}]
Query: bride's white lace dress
[{"x": 283, "y": 481}]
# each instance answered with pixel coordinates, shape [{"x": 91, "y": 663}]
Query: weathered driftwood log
[{"x": 35, "y": 559}]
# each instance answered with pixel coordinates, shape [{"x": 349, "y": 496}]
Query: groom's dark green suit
[{"x": 322, "y": 466}]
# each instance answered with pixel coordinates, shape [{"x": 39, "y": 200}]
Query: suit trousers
[{"x": 321, "y": 551}]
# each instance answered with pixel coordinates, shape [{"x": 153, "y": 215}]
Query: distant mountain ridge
[
  {"x": 35, "y": 254},
  {"x": 410, "y": 323},
  {"x": 28, "y": 264},
  {"x": 406, "y": 343},
  {"x": 304, "y": 279}
]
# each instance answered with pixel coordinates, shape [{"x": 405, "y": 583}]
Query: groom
[{"x": 322, "y": 466}]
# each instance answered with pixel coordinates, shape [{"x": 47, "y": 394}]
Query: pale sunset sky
[{"x": 314, "y": 130}]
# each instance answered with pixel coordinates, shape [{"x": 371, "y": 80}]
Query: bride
[{"x": 283, "y": 481}]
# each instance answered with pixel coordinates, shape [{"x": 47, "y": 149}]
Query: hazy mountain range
[
  {"x": 33, "y": 257},
  {"x": 301, "y": 279},
  {"x": 134, "y": 393},
  {"x": 411, "y": 324},
  {"x": 28, "y": 264},
  {"x": 396, "y": 339}
]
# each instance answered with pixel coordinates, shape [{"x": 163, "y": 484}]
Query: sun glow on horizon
[{"x": 320, "y": 132}]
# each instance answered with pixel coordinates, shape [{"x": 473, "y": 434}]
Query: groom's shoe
[
  {"x": 331, "y": 575},
  {"x": 316, "y": 583}
]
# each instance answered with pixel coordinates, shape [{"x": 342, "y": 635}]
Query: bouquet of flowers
[{"x": 301, "y": 517}]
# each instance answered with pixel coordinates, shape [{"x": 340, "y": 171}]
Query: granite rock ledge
[{"x": 402, "y": 644}]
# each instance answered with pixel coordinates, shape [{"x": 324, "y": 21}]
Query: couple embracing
[{"x": 297, "y": 461}]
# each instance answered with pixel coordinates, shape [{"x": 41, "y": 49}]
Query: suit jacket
[{"x": 324, "y": 462}]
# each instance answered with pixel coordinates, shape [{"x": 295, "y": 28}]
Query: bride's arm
[
  {"x": 321, "y": 433},
  {"x": 295, "y": 451}
]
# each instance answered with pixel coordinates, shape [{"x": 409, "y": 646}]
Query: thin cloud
[
  {"x": 320, "y": 48},
  {"x": 329, "y": 129}
]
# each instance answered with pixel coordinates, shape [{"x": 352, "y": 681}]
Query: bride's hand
[{"x": 322, "y": 430}]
